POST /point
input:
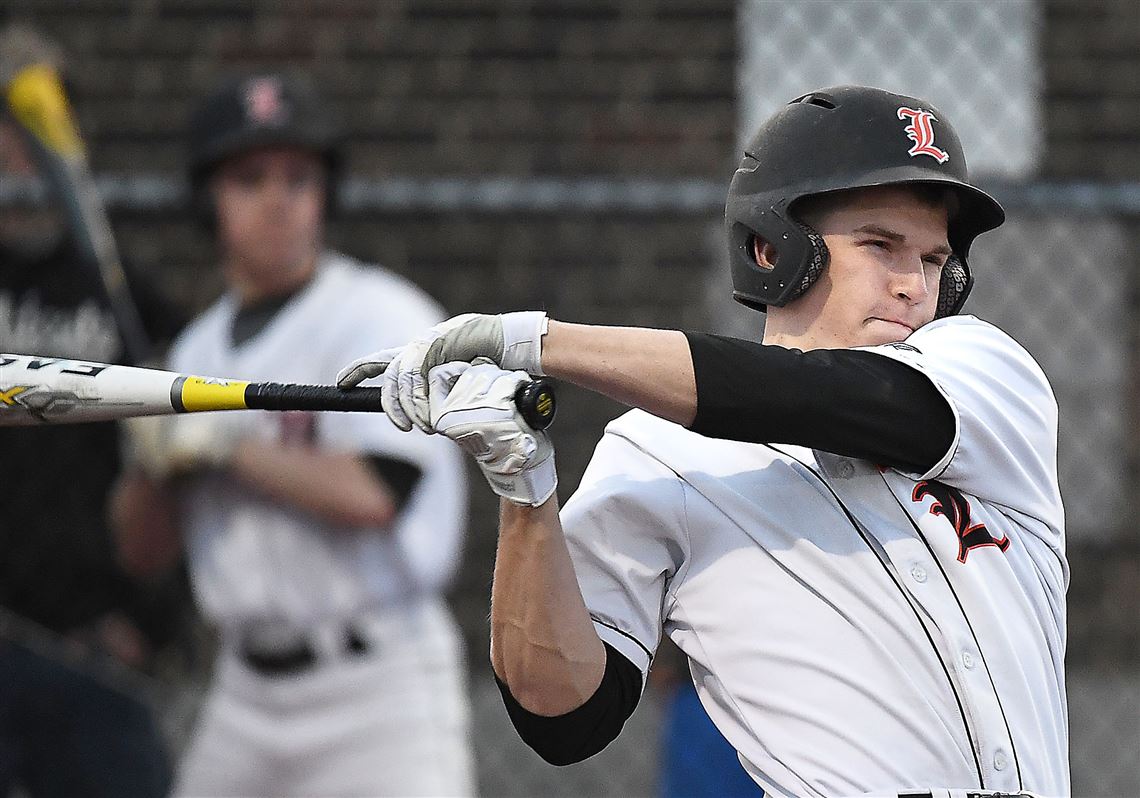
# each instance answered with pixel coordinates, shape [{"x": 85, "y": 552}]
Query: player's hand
[
  {"x": 513, "y": 341},
  {"x": 169, "y": 446},
  {"x": 474, "y": 406}
]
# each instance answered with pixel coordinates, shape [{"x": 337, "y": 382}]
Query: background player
[
  {"x": 317, "y": 545},
  {"x": 881, "y": 613}
]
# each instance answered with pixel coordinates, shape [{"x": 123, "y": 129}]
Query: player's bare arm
[
  {"x": 641, "y": 367},
  {"x": 566, "y": 691},
  {"x": 645, "y": 368},
  {"x": 340, "y": 488},
  {"x": 543, "y": 644}
]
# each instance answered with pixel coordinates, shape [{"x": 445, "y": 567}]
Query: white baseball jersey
[
  {"x": 395, "y": 719},
  {"x": 254, "y": 559},
  {"x": 852, "y": 629}
]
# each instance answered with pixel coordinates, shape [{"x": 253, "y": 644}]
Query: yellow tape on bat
[{"x": 204, "y": 393}]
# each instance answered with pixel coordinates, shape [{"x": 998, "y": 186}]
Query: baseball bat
[
  {"x": 44, "y": 390},
  {"x": 37, "y": 99}
]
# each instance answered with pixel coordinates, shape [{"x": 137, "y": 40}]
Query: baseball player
[
  {"x": 318, "y": 545},
  {"x": 853, "y": 529}
]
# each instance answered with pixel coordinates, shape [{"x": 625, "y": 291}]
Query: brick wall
[
  {"x": 1092, "y": 93},
  {"x": 429, "y": 87}
]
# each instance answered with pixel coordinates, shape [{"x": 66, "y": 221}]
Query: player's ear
[{"x": 763, "y": 253}]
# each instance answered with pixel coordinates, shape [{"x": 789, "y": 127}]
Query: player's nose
[{"x": 912, "y": 283}]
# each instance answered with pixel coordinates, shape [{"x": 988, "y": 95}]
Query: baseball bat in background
[
  {"x": 37, "y": 100},
  {"x": 42, "y": 390}
]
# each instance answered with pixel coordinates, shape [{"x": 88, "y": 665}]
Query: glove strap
[
  {"x": 530, "y": 487},
  {"x": 522, "y": 340}
]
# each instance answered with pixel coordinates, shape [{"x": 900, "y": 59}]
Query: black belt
[
  {"x": 971, "y": 794},
  {"x": 300, "y": 657}
]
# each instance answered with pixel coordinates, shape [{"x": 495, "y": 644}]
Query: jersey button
[
  {"x": 846, "y": 469},
  {"x": 918, "y": 573},
  {"x": 1000, "y": 760},
  {"x": 968, "y": 660}
]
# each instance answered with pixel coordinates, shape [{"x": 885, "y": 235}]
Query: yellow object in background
[{"x": 38, "y": 101}]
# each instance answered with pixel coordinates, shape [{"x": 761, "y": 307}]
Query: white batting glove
[
  {"x": 171, "y": 446},
  {"x": 474, "y": 406},
  {"x": 511, "y": 340}
]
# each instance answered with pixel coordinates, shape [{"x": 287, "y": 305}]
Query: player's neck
[
  {"x": 256, "y": 286},
  {"x": 797, "y": 329},
  {"x": 804, "y": 341}
]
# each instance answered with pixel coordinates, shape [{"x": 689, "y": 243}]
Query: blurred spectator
[
  {"x": 71, "y": 723},
  {"x": 318, "y": 544}
]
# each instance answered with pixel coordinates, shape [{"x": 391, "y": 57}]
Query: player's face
[
  {"x": 270, "y": 207},
  {"x": 888, "y": 246}
]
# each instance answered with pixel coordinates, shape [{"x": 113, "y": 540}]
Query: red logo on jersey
[
  {"x": 950, "y": 503},
  {"x": 263, "y": 102},
  {"x": 921, "y": 132}
]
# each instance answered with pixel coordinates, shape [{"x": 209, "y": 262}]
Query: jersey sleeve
[
  {"x": 1005, "y": 442},
  {"x": 625, "y": 530}
]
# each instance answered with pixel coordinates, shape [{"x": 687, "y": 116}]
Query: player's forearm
[
  {"x": 336, "y": 487},
  {"x": 639, "y": 367},
  {"x": 543, "y": 643}
]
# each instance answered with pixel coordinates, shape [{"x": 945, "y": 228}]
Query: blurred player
[
  {"x": 71, "y": 719},
  {"x": 870, "y": 586},
  {"x": 318, "y": 545}
]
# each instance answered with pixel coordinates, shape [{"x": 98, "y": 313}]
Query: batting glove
[
  {"x": 512, "y": 341},
  {"x": 474, "y": 406}
]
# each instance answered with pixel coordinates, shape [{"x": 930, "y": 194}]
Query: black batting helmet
[
  {"x": 837, "y": 139},
  {"x": 262, "y": 110}
]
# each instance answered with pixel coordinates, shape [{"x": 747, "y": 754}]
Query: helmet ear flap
[
  {"x": 953, "y": 287},
  {"x": 811, "y": 261},
  {"x": 816, "y": 263}
]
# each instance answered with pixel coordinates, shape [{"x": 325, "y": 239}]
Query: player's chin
[{"x": 878, "y": 332}]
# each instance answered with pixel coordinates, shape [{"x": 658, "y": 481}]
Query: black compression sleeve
[
  {"x": 582, "y": 732},
  {"x": 400, "y": 476},
  {"x": 854, "y": 403}
]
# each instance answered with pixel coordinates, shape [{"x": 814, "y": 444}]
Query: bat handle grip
[{"x": 536, "y": 403}]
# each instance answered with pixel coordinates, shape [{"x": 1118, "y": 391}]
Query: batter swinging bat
[
  {"x": 37, "y": 100},
  {"x": 43, "y": 390}
]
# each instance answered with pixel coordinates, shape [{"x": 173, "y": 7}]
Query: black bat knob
[{"x": 536, "y": 403}]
